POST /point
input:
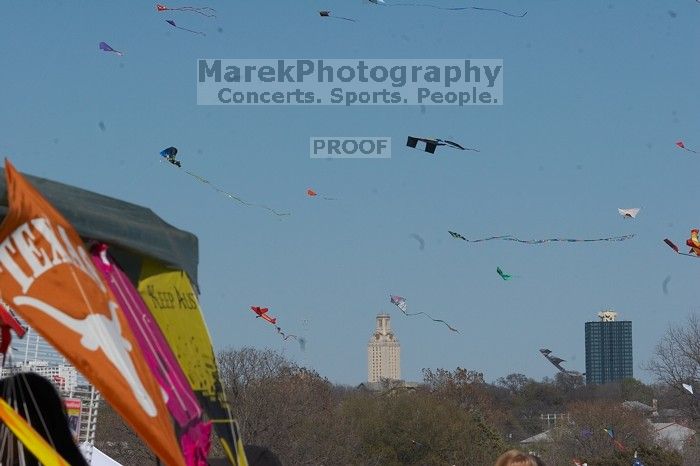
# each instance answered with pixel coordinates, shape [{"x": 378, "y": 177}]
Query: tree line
[{"x": 453, "y": 417}]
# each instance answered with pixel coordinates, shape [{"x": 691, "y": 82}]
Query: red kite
[
  {"x": 262, "y": 312},
  {"x": 311, "y": 193},
  {"x": 7, "y": 323},
  {"x": 204, "y": 11},
  {"x": 681, "y": 145}
]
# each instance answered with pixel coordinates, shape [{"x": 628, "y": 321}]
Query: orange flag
[{"x": 48, "y": 279}]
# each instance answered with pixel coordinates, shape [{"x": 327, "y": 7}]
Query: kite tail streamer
[
  {"x": 500, "y": 11},
  {"x": 342, "y": 17},
  {"x": 409, "y": 314},
  {"x": 231, "y": 196},
  {"x": 541, "y": 241},
  {"x": 204, "y": 11},
  {"x": 249, "y": 204},
  {"x": 428, "y": 5},
  {"x": 400, "y": 303}
]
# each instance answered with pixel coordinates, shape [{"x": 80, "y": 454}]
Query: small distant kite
[
  {"x": 327, "y": 14},
  {"x": 556, "y": 362},
  {"x": 611, "y": 434},
  {"x": 457, "y": 236},
  {"x": 629, "y": 213},
  {"x": 672, "y": 245},
  {"x": 503, "y": 275},
  {"x": 432, "y": 144},
  {"x": 693, "y": 243},
  {"x": 106, "y": 48},
  {"x": 263, "y": 312},
  {"x": 540, "y": 241},
  {"x": 172, "y": 23},
  {"x": 680, "y": 144},
  {"x": 171, "y": 152},
  {"x": 689, "y": 388},
  {"x": 400, "y": 302},
  {"x": 311, "y": 193},
  {"x": 204, "y": 11},
  {"x": 428, "y": 5}
]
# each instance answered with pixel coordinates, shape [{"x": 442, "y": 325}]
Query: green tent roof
[{"x": 130, "y": 227}]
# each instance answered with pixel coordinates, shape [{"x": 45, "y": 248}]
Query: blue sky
[{"x": 596, "y": 95}]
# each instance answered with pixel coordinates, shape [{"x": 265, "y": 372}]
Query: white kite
[
  {"x": 629, "y": 213},
  {"x": 688, "y": 387}
]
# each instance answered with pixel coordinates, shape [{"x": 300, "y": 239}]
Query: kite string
[
  {"x": 190, "y": 30},
  {"x": 342, "y": 17},
  {"x": 204, "y": 11},
  {"x": 231, "y": 196},
  {"x": 428, "y": 5},
  {"x": 238, "y": 199}
]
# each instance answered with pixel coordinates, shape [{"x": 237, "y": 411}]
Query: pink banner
[{"x": 181, "y": 401}]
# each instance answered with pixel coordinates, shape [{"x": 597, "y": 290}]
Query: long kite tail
[
  {"x": 409, "y": 314},
  {"x": 542, "y": 241},
  {"x": 285, "y": 336},
  {"x": 231, "y": 196},
  {"x": 454, "y": 145},
  {"x": 499, "y": 11},
  {"x": 343, "y": 17},
  {"x": 250, "y": 204},
  {"x": 428, "y": 5},
  {"x": 570, "y": 240},
  {"x": 204, "y": 11}
]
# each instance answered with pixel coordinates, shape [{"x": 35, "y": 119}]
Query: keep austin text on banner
[
  {"x": 169, "y": 296},
  {"x": 347, "y": 82}
]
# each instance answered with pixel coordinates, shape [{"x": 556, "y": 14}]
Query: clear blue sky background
[{"x": 596, "y": 95}]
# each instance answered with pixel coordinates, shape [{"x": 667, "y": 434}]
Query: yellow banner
[{"x": 173, "y": 302}]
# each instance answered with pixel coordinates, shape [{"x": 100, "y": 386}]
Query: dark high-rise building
[{"x": 608, "y": 349}]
